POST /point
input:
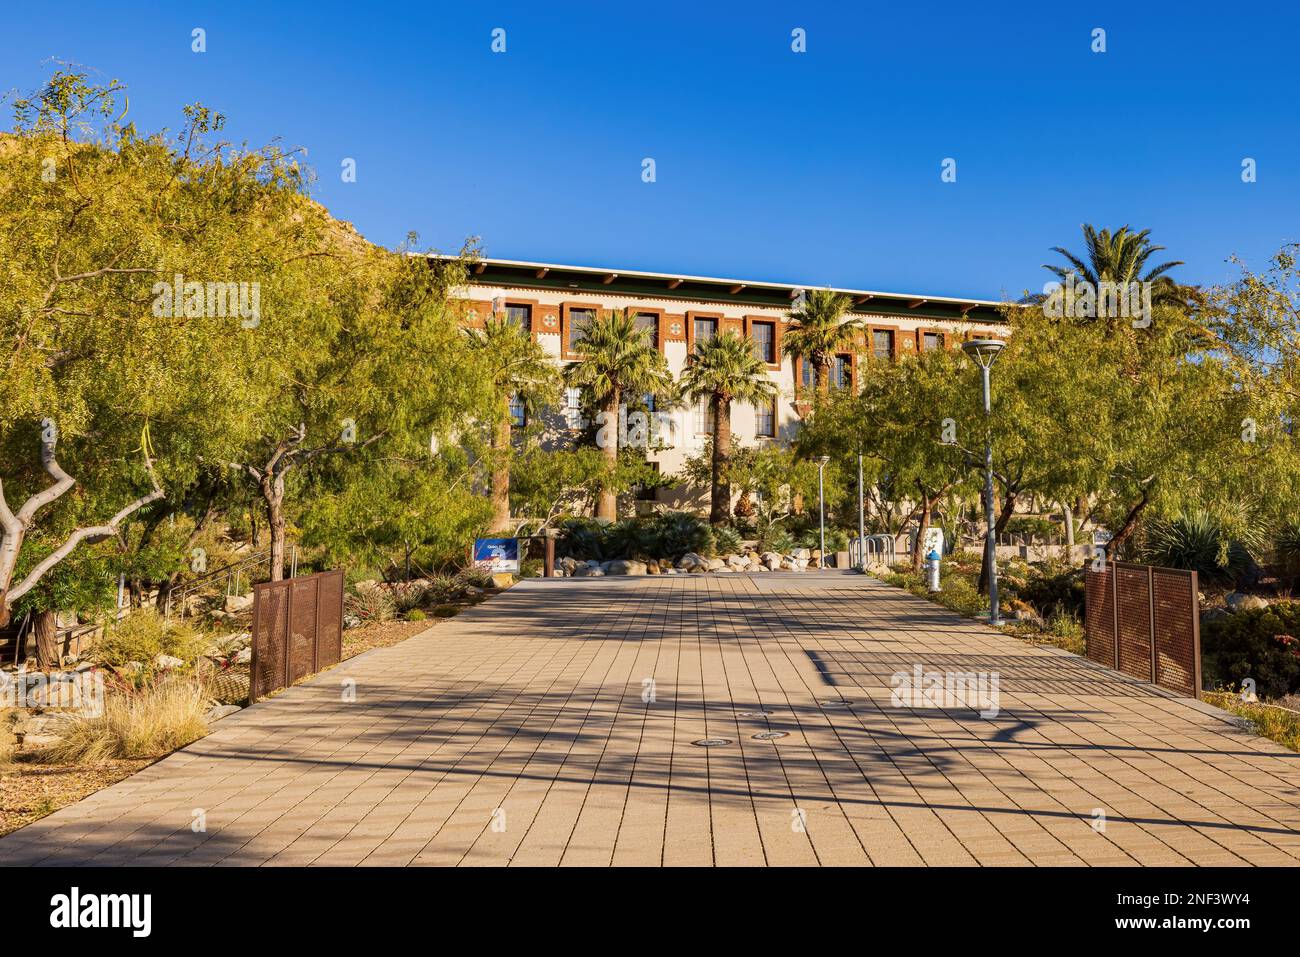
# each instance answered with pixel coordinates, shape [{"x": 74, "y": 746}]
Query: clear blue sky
[{"x": 821, "y": 167}]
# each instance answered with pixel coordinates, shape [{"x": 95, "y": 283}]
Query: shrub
[
  {"x": 415, "y": 615},
  {"x": 583, "y": 538},
  {"x": 1196, "y": 542},
  {"x": 631, "y": 538},
  {"x": 1258, "y": 644},
  {"x": 371, "y": 605},
  {"x": 726, "y": 540},
  {"x": 151, "y": 721},
  {"x": 473, "y": 576},
  {"x": 142, "y": 637},
  {"x": 1287, "y": 547},
  {"x": 1055, "y": 595},
  {"x": 677, "y": 533},
  {"x": 773, "y": 537},
  {"x": 408, "y": 595}
]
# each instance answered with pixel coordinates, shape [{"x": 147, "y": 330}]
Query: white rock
[
  {"x": 243, "y": 656},
  {"x": 713, "y": 564},
  {"x": 689, "y": 560},
  {"x": 217, "y": 712},
  {"x": 168, "y": 661},
  {"x": 238, "y": 603},
  {"x": 586, "y": 571},
  {"x": 803, "y": 553},
  {"x": 1239, "y": 602},
  {"x": 625, "y": 567}
]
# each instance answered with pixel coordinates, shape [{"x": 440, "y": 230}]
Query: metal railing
[
  {"x": 872, "y": 549},
  {"x": 234, "y": 579}
]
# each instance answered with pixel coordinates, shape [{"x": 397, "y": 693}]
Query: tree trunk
[
  {"x": 999, "y": 526},
  {"x": 501, "y": 476},
  {"x": 918, "y": 552},
  {"x": 47, "y": 640},
  {"x": 607, "y": 501},
  {"x": 720, "y": 510},
  {"x": 1126, "y": 530},
  {"x": 272, "y": 487},
  {"x": 822, "y": 375}
]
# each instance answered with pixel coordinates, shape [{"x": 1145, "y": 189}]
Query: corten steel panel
[
  {"x": 297, "y": 629},
  {"x": 270, "y": 630},
  {"x": 1133, "y": 594},
  {"x": 1177, "y": 631},
  {"x": 329, "y": 620},
  {"x": 1099, "y": 616},
  {"x": 302, "y": 628}
]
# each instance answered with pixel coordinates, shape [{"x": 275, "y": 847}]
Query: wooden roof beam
[{"x": 609, "y": 277}]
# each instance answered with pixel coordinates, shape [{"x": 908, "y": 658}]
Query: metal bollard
[{"x": 932, "y": 566}]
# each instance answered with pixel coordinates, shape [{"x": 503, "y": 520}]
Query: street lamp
[
  {"x": 984, "y": 352},
  {"x": 821, "y": 504}
]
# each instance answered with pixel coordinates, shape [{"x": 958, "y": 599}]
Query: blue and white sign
[{"x": 497, "y": 554}]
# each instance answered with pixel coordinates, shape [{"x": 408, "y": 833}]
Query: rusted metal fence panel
[
  {"x": 297, "y": 630},
  {"x": 1146, "y": 622}
]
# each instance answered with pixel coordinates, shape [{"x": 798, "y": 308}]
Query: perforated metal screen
[
  {"x": 1146, "y": 622},
  {"x": 297, "y": 630}
]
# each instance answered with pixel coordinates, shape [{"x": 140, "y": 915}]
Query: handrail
[{"x": 233, "y": 574}]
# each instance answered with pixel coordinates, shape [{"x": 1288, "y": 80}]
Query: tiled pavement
[{"x": 518, "y": 733}]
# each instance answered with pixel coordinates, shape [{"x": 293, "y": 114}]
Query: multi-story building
[{"x": 553, "y": 301}]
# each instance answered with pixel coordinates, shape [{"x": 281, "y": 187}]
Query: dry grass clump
[{"x": 142, "y": 723}]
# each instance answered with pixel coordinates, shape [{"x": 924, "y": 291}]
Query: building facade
[{"x": 553, "y": 301}]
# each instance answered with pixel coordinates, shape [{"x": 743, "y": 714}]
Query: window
[
  {"x": 763, "y": 335},
  {"x": 649, "y": 492},
  {"x": 882, "y": 343},
  {"x": 523, "y": 315},
  {"x": 704, "y": 417},
  {"x": 518, "y": 418},
  {"x": 573, "y": 417},
  {"x": 806, "y": 373},
  {"x": 705, "y": 329},
  {"x": 931, "y": 340},
  {"x": 649, "y": 323},
  {"x": 842, "y": 372},
  {"x": 578, "y": 321},
  {"x": 765, "y": 420}
]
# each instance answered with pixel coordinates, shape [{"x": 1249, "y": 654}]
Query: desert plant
[
  {"x": 1258, "y": 643},
  {"x": 408, "y": 595},
  {"x": 1287, "y": 548},
  {"x": 726, "y": 540},
  {"x": 370, "y": 605},
  {"x": 772, "y": 536},
  {"x": 1197, "y": 542},
  {"x": 677, "y": 533},
  {"x": 142, "y": 637},
  {"x": 148, "y": 722},
  {"x": 474, "y": 577},
  {"x": 416, "y": 615}
]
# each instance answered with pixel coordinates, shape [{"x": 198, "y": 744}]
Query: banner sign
[{"x": 497, "y": 554}]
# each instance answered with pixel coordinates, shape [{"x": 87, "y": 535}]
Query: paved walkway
[{"x": 517, "y": 733}]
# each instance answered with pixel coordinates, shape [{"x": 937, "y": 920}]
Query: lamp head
[
  {"x": 823, "y": 459},
  {"x": 983, "y": 351}
]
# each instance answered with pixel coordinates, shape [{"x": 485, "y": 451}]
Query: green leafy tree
[
  {"x": 723, "y": 370},
  {"x": 516, "y": 369},
  {"x": 618, "y": 362}
]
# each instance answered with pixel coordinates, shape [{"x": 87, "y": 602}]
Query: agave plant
[{"x": 1197, "y": 541}]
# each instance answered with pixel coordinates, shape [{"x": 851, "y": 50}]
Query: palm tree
[
  {"x": 725, "y": 369},
  {"x": 820, "y": 332},
  {"x": 518, "y": 370},
  {"x": 618, "y": 360},
  {"x": 1120, "y": 257}
]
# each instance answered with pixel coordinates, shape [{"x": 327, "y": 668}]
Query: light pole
[
  {"x": 821, "y": 504},
  {"x": 862, "y": 523},
  {"x": 984, "y": 352}
]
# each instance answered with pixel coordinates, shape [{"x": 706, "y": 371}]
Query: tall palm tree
[
  {"x": 1120, "y": 257},
  {"x": 725, "y": 369},
  {"x": 618, "y": 360},
  {"x": 517, "y": 369},
  {"x": 820, "y": 332}
]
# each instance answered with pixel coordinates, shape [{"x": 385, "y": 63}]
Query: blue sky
[{"x": 821, "y": 167}]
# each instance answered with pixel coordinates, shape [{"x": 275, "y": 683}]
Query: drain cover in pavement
[
  {"x": 753, "y": 714},
  {"x": 711, "y": 742},
  {"x": 837, "y": 703},
  {"x": 769, "y": 735}
]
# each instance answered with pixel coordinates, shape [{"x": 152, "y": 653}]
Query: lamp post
[
  {"x": 821, "y": 504},
  {"x": 862, "y": 523},
  {"x": 983, "y": 352}
]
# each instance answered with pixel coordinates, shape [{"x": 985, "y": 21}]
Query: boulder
[
  {"x": 690, "y": 560},
  {"x": 772, "y": 560},
  {"x": 238, "y": 603},
  {"x": 625, "y": 567},
  {"x": 1239, "y": 602},
  {"x": 737, "y": 561},
  {"x": 217, "y": 712},
  {"x": 586, "y": 571},
  {"x": 803, "y": 553},
  {"x": 714, "y": 564},
  {"x": 168, "y": 661},
  {"x": 652, "y": 567},
  {"x": 243, "y": 656}
]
